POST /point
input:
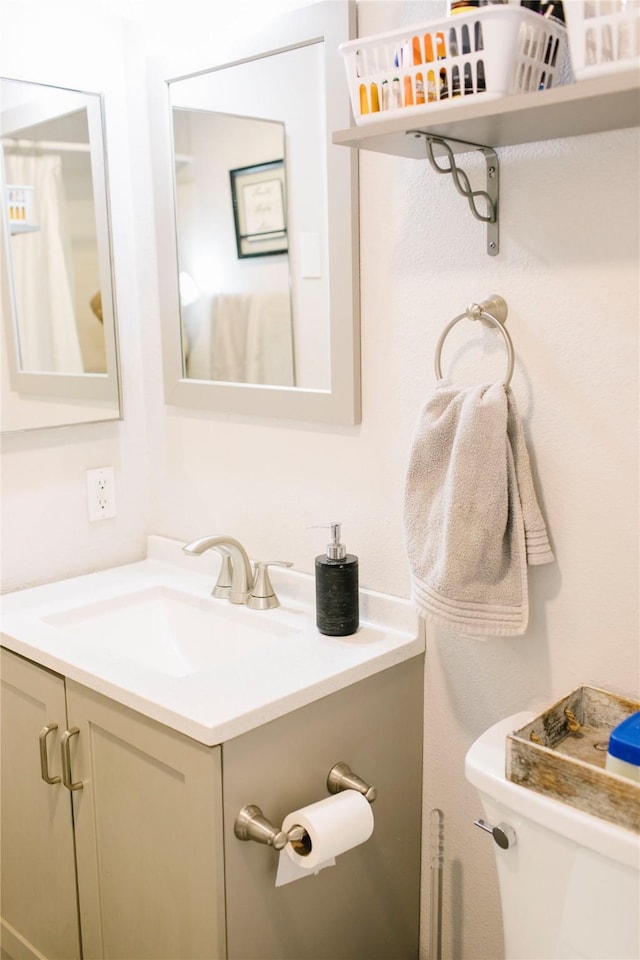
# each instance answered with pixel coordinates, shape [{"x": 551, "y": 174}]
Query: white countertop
[{"x": 297, "y": 665}]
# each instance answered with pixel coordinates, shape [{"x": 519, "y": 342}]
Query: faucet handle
[
  {"x": 222, "y": 589},
  {"x": 263, "y": 596}
]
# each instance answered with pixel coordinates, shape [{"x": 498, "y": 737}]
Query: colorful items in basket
[
  {"x": 494, "y": 51},
  {"x": 429, "y": 85}
]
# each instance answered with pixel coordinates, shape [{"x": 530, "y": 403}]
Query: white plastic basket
[
  {"x": 19, "y": 204},
  {"x": 492, "y": 52},
  {"x": 604, "y": 36}
]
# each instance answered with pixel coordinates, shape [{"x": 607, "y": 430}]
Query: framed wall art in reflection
[{"x": 259, "y": 209}]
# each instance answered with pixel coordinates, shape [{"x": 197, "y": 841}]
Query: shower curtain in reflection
[
  {"x": 42, "y": 270},
  {"x": 248, "y": 338}
]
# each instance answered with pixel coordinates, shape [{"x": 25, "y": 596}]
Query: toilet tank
[{"x": 570, "y": 885}]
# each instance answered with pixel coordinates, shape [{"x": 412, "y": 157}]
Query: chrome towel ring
[{"x": 492, "y": 312}]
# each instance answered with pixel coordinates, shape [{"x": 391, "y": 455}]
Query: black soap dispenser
[{"x": 337, "y": 600}]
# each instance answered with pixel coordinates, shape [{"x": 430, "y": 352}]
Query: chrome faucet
[{"x": 241, "y": 575}]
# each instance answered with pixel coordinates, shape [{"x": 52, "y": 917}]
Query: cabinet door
[
  {"x": 148, "y": 823},
  {"x": 39, "y": 902}
]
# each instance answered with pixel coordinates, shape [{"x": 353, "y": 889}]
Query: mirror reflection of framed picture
[{"x": 259, "y": 209}]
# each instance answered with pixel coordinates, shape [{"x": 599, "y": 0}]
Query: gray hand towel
[{"x": 471, "y": 517}]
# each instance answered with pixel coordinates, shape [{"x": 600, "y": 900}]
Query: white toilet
[{"x": 569, "y": 881}]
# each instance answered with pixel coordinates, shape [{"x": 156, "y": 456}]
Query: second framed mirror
[{"x": 257, "y": 225}]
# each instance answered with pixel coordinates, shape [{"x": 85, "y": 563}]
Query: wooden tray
[{"x": 562, "y": 754}]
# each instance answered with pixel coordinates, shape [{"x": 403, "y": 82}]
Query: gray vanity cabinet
[{"x": 137, "y": 849}]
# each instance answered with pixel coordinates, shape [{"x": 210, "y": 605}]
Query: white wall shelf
[
  {"x": 599, "y": 104},
  {"x": 610, "y": 102}
]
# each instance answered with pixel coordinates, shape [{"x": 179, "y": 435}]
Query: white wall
[{"x": 569, "y": 271}]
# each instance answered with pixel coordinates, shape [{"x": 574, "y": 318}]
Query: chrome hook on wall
[{"x": 462, "y": 184}]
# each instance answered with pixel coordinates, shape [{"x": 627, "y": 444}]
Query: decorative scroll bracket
[{"x": 463, "y": 186}]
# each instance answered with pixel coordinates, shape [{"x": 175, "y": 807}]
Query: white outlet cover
[{"x": 101, "y": 493}]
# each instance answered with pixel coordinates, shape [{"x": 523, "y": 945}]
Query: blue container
[{"x": 623, "y": 756}]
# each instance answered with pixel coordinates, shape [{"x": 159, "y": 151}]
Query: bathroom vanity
[{"x": 121, "y": 782}]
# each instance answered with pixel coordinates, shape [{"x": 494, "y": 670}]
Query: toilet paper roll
[{"x": 332, "y": 826}]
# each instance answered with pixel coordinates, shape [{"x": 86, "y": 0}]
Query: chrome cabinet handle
[
  {"x": 66, "y": 760},
  {"x": 503, "y": 834},
  {"x": 44, "y": 760}
]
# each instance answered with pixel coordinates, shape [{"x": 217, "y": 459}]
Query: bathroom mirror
[
  {"x": 257, "y": 223},
  {"x": 58, "y": 323}
]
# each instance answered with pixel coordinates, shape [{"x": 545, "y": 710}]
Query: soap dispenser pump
[{"x": 337, "y": 600}]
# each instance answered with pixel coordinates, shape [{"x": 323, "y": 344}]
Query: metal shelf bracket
[{"x": 463, "y": 185}]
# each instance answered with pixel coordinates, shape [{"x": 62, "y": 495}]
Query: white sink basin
[
  {"x": 169, "y": 630},
  {"x": 150, "y": 636}
]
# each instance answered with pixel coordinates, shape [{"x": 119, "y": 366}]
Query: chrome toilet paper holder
[{"x": 251, "y": 824}]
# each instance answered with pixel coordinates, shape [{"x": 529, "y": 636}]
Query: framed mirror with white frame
[
  {"x": 257, "y": 222},
  {"x": 59, "y": 340}
]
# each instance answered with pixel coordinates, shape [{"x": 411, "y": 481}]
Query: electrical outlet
[{"x": 101, "y": 493}]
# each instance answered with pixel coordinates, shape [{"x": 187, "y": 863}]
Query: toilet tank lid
[{"x": 624, "y": 742}]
